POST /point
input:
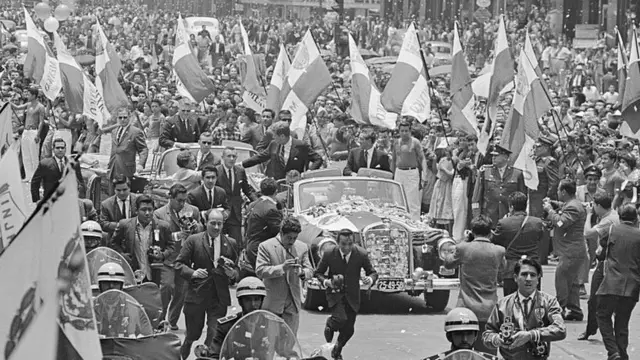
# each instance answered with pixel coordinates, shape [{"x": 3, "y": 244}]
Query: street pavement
[{"x": 401, "y": 327}]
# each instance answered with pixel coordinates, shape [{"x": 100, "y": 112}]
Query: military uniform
[
  {"x": 491, "y": 192},
  {"x": 224, "y": 326},
  {"x": 443, "y": 355},
  {"x": 548, "y": 179}
]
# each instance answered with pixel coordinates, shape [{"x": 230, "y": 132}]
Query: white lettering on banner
[
  {"x": 50, "y": 76},
  {"x": 11, "y": 217},
  {"x": 254, "y": 101},
  {"x": 422, "y": 101},
  {"x": 381, "y": 113}
]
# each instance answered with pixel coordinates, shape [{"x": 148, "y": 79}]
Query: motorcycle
[
  {"x": 102, "y": 255},
  {"x": 466, "y": 355},
  {"x": 260, "y": 335}
]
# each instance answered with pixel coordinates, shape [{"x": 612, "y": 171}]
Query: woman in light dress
[{"x": 441, "y": 208}]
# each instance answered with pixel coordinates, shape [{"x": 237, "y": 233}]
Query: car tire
[
  {"x": 437, "y": 300},
  {"x": 314, "y": 300}
]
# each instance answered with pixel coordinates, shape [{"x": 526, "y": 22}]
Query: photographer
[{"x": 523, "y": 324}]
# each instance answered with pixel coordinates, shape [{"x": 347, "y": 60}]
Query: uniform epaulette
[
  {"x": 485, "y": 167},
  {"x": 229, "y": 318}
]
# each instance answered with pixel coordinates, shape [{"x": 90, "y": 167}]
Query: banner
[
  {"x": 254, "y": 101},
  {"x": 12, "y": 204}
]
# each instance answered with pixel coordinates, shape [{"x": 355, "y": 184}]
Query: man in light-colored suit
[
  {"x": 283, "y": 262},
  {"x": 187, "y": 175},
  {"x": 479, "y": 262},
  {"x": 127, "y": 142}
]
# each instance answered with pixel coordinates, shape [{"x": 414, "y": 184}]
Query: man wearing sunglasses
[
  {"x": 205, "y": 157},
  {"x": 127, "y": 142},
  {"x": 181, "y": 129}
]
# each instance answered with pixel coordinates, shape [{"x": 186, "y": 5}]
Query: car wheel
[
  {"x": 314, "y": 300},
  {"x": 437, "y": 300}
]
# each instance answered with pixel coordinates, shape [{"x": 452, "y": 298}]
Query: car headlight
[{"x": 446, "y": 246}]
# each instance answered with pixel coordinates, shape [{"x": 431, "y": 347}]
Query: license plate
[
  {"x": 391, "y": 284},
  {"x": 446, "y": 272}
]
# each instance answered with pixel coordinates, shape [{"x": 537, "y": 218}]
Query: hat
[
  {"x": 617, "y": 113},
  {"x": 543, "y": 140},
  {"x": 497, "y": 150},
  {"x": 592, "y": 171}
]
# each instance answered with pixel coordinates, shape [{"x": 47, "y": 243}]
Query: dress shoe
[
  {"x": 573, "y": 317},
  {"x": 584, "y": 336},
  {"x": 328, "y": 334},
  {"x": 336, "y": 352}
]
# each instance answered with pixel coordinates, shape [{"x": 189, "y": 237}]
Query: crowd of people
[{"x": 583, "y": 214}]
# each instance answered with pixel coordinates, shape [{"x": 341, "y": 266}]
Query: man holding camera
[
  {"x": 207, "y": 261},
  {"x": 523, "y": 324},
  {"x": 283, "y": 263}
]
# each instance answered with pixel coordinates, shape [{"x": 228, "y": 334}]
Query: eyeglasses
[
  {"x": 122, "y": 117},
  {"x": 206, "y": 142}
]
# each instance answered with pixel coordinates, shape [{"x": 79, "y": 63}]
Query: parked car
[{"x": 441, "y": 52}]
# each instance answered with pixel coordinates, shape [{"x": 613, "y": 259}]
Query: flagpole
[{"x": 333, "y": 85}]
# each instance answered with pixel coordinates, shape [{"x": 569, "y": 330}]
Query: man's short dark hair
[
  {"x": 518, "y": 200},
  {"x": 119, "y": 180},
  {"x": 268, "y": 186},
  {"x": 177, "y": 189},
  {"x": 59, "y": 140},
  {"x": 284, "y": 112},
  {"x": 611, "y": 153},
  {"x": 628, "y": 212},
  {"x": 290, "y": 225},
  {"x": 281, "y": 128},
  {"x": 183, "y": 159},
  {"x": 344, "y": 232},
  {"x": 208, "y": 168},
  {"x": 481, "y": 225},
  {"x": 369, "y": 133},
  {"x": 568, "y": 185},
  {"x": 603, "y": 199},
  {"x": 527, "y": 261},
  {"x": 143, "y": 199},
  {"x": 273, "y": 113},
  {"x": 404, "y": 123}
]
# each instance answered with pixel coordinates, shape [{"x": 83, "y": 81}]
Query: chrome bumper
[{"x": 409, "y": 285}]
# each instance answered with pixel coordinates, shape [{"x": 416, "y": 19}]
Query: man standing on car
[
  {"x": 344, "y": 264},
  {"x": 480, "y": 262}
]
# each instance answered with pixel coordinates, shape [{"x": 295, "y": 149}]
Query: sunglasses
[
  {"x": 206, "y": 142},
  {"x": 123, "y": 117}
]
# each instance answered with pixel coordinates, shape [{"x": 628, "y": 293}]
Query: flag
[
  {"x": 81, "y": 95},
  {"x": 280, "y": 71},
  {"x": 623, "y": 63},
  {"x": 463, "y": 117},
  {"x": 308, "y": 76},
  {"x": 40, "y": 63},
  {"x": 108, "y": 67},
  {"x": 631, "y": 101},
  {"x": 365, "y": 97},
  {"x": 407, "y": 92},
  {"x": 154, "y": 57},
  {"x": 6, "y": 128},
  {"x": 192, "y": 82},
  {"x": 530, "y": 102},
  {"x": 502, "y": 74},
  {"x": 250, "y": 80},
  {"x": 12, "y": 206}
]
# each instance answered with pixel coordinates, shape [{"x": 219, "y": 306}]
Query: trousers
[
  {"x": 180, "y": 287},
  {"x": 291, "y": 315},
  {"x": 615, "y": 334},
  {"x": 342, "y": 320},
  {"x": 592, "y": 304},
  {"x": 567, "y": 287},
  {"x": 167, "y": 286},
  {"x": 194, "y": 315}
]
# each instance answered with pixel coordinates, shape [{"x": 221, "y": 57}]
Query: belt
[{"x": 406, "y": 168}]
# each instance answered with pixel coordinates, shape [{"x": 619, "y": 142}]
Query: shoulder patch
[{"x": 229, "y": 318}]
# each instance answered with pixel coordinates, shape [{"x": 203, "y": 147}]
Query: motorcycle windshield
[
  {"x": 260, "y": 335},
  {"x": 465, "y": 355},
  {"x": 119, "y": 315},
  {"x": 102, "y": 255}
]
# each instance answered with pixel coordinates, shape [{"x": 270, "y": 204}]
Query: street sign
[
  {"x": 483, "y": 3},
  {"x": 482, "y": 14}
]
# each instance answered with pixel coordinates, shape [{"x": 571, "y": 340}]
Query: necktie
[
  {"x": 186, "y": 124},
  {"x": 230, "y": 177},
  {"x": 61, "y": 165},
  {"x": 366, "y": 158},
  {"x": 525, "y": 308},
  {"x": 282, "y": 156},
  {"x": 344, "y": 258},
  {"x": 123, "y": 208},
  {"x": 120, "y": 133},
  {"x": 210, "y": 198},
  {"x": 202, "y": 159}
]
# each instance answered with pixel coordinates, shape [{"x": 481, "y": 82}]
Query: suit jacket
[
  {"x": 479, "y": 262},
  {"x": 240, "y": 185},
  {"x": 209, "y": 160},
  {"x": 545, "y": 309},
  {"x": 111, "y": 214},
  {"x": 123, "y": 153},
  {"x": 332, "y": 261},
  {"x": 280, "y": 283},
  {"x": 263, "y": 222},
  {"x": 301, "y": 157},
  {"x": 197, "y": 254},
  {"x": 125, "y": 238},
  {"x": 568, "y": 224},
  {"x": 165, "y": 214},
  {"x": 198, "y": 198},
  {"x": 253, "y": 135},
  {"x": 48, "y": 176},
  {"x": 549, "y": 177},
  {"x": 355, "y": 161},
  {"x": 622, "y": 264},
  {"x": 525, "y": 244},
  {"x": 175, "y": 131},
  {"x": 87, "y": 211}
]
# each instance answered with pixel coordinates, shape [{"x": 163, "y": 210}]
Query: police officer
[
  {"x": 110, "y": 276},
  {"x": 495, "y": 183},
  {"x": 92, "y": 235},
  {"x": 461, "y": 327}
]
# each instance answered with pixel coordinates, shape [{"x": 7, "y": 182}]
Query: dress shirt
[
  {"x": 229, "y": 173},
  {"x": 60, "y": 164},
  {"x": 287, "y": 150},
  {"x": 342, "y": 255},
  {"x": 502, "y": 170},
  {"x": 369, "y": 154},
  {"x": 521, "y": 317},
  {"x": 142, "y": 242},
  {"x": 124, "y": 205},
  {"x": 215, "y": 244},
  {"x": 199, "y": 158},
  {"x": 209, "y": 193}
]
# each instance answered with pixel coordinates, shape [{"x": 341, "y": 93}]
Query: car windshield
[
  {"x": 331, "y": 193},
  {"x": 198, "y": 24}
]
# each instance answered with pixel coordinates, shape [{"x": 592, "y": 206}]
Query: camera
[
  {"x": 188, "y": 223},
  {"x": 539, "y": 350},
  {"x": 224, "y": 261},
  {"x": 155, "y": 256}
]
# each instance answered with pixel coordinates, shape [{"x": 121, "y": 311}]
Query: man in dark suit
[
  {"x": 285, "y": 153},
  {"x": 127, "y": 141},
  {"x": 217, "y": 51},
  {"x": 50, "y": 170},
  {"x": 205, "y": 157},
  {"x": 120, "y": 206},
  {"x": 135, "y": 237},
  {"x": 263, "y": 219},
  {"x": 344, "y": 264},
  {"x": 233, "y": 179},
  {"x": 181, "y": 129},
  {"x": 268, "y": 120},
  {"x": 366, "y": 156},
  {"x": 620, "y": 287},
  {"x": 520, "y": 235},
  {"x": 208, "y": 196},
  {"x": 207, "y": 261}
]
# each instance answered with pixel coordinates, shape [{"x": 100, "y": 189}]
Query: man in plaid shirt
[{"x": 227, "y": 130}]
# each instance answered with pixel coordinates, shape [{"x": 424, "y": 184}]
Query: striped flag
[
  {"x": 12, "y": 205},
  {"x": 407, "y": 92},
  {"x": 623, "y": 63},
  {"x": 192, "y": 82},
  {"x": 308, "y": 76},
  {"x": 631, "y": 100},
  {"x": 108, "y": 67},
  {"x": 530, "y": 102},
  {"x": 6, "y": 128},
  {"x": 365, "y": 97},
  {"x": 463, "y": 117},
  {"x": 502, "y": 74},
  {"x": 81, "y": 95},
  {"x": 40, "y": 64},
  {"x": 251, "y": 82},
  {"x": 280, "y": 71}
]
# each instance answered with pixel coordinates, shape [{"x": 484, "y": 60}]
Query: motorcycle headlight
[{"x": 445, "y": 247}]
